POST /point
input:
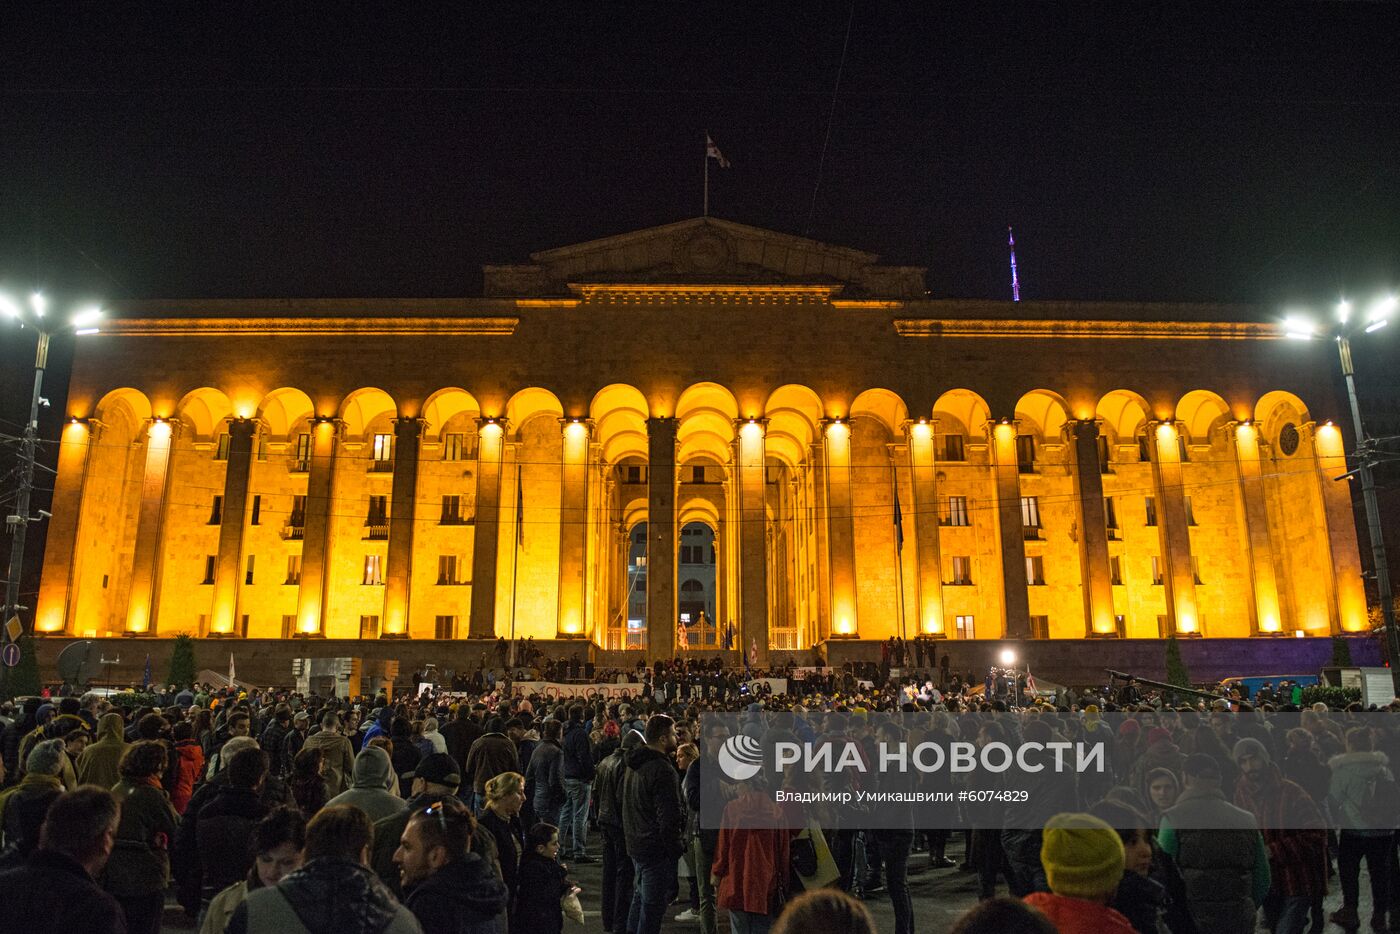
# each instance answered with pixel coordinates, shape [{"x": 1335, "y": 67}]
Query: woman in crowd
[
  {"x": 139, "y": 867},
  {"x": 505, "y": 794},
  {"x": 276, "y": 844},
  {"x": 307, "y": 783}
]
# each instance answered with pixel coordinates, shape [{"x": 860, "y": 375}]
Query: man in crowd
[
  {"x": 491, "y": 755},
  {"x": 226, "y": 823},
  {"x": 464, "y": 730},
  {"x": 578, "y": 783},
  {"x": 55, "y": 891},
  {"x": 437, "y": 778},
  {"x": 334, "y": 891},
  {"x": 337, "y": 756},
  {"x": 652, "y": 824},
  {"x": 23, "y": 806},
  {"x": 451, "y": 890},
  {"x": 617, "y": 865}
]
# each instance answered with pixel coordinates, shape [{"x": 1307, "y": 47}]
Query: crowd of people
[{"x": 274, "y": 811}]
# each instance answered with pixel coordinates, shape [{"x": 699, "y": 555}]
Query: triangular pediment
[{"x": 704, "y": 251}]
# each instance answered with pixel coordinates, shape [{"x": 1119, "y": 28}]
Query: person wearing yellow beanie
[{"x": 1083, "y": 860}]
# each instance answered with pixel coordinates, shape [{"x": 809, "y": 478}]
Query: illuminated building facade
[{"x": 463, "y": 469}]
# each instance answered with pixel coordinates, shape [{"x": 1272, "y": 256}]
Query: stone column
[
  {"x": 840, "y": 529},
  {"x": 146, "y": 560},
  {"x": 1173, "y": 529},
  {"x": 820, "y": 525},
  {"x": 928, "y": 590},
  {"x": 228, "y": 573},
  {"x": 596, "y": 551},
  {"x": 1337, "y": 515},
  {"x": 398, "y": 579},
  {"x": 316, "y": 540},
  {"x": 753, "y": 538},
  {"x": 661, "y": 537},
  {"x": 1015, "y": 600},
  {"x": 485, "y": 558},
  {"x": 1096, "y": 581},
  {"x": 573, "y": 527},
  {"x": 1264, "y": 611},
  {"x": 62, "y": 552}
]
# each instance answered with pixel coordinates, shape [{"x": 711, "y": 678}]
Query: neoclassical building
[{"x": 850, "y": 457}]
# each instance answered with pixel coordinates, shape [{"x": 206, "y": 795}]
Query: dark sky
[
  {"x": 1219, "y": 153},
  {"x": 298, "y": 150}
]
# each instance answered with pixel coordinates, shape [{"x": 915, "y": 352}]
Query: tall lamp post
[
  {"x": 34, "y": 316},
  {"x": 1348, "y": 325}
]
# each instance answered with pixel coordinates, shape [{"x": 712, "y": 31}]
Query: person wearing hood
[
  {"x": 23, "y": 806},
  {"x": 225, "y": 823},
  {"x": 450, "y": 889},
  {"x": 379, "y": 723},
  {"x": 653, "y": 823},
  {"x": 544, "y": 776},
  {"x": 37, "y": 734},
  {"x": 1358, "y": 800},
  {"x": 432, "y": 741},
  {"x": 334, "y": 892},
  {"x": 15, "y": 733},
  {"x": 369, "y": 786},
  {"x": 189, "y": 765},
  {"x": 139, "y": 869},
  {"x": 1161, "y": 753},
  {"x": 1294, "y": 833}
]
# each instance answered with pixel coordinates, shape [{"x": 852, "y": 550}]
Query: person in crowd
[
  {"x": 578, "y": 784},
  {"x": 1221, "y": 853},
  {"x": 1002, "y": 915},
  {"x": 275, "y": 846},
  {"x": 337, "y": 756},
  {"x": 500, "y": 817},
  {"x": 369, "y": 788},
  {"x": 224, "y": 825},
  {"x": 139, "y": 868},
  {"x": 896, "y": 839},
  {"x": 184, "y": 855},
  {"x": 295, "y": 739},
  {"x": 404, "y": 754},
  {"x": 703, "y": 777},
  {"x": 307, "y": 782},
  {"x": 461, "y": 733},
  {"x": 544, "y": 776},
  {"x": 829, "y": 911},
  {"x": 189, "y": 765},
  {"x": 1357, "y": 799},
  {"x": 492, "y": 754},
  {"x": 617, "y": 865},
  {"x": 1304, "y": 765},
  {"x": 274, "y": 737},
  {"x": 436, "y": 779},
  {"x": 431, "y": 741},
  {"x": 1151, "y": 894},
  {"x": 1163, "y": 790},
  {"x": 1083, "y": 859},
  {"x": 652, "y": 823},
  {"x": 451, "y": 890},
  {"x": 752, "y": 859},
  {"x": 1294, "y": 832},
  {"x": 23, "y": 806},
  {"x": 543, "y": 882},
  {"x": 98, "y": 763},
  {"x": 334, "y": 891},
  {"x": 54, "y": 890}
]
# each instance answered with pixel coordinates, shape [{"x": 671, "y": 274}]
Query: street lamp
[
  {"x": 1377, "y": 316},
  {"x": 34, "y": 315}
]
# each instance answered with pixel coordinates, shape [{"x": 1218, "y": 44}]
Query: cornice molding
[
  {"x": 1091, "y": 330},
  {"x": 198, "y": 327}
]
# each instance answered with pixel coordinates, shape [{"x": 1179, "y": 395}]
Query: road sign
[
  {"x": 10, "y": 655},
  {"x": 14, "y": 629}
]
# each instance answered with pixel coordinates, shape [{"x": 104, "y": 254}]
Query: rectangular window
[
  {"x": 221, "y": 447},
  {"x": 1181, "y": 449},
  {"x": 289, "y": 625},
  {"x": 962, "y": 571},
  {"x": 374, "y": 570},
  {"x": 453, "y": 446},
  {"x": 1156, "y": 571},
  {"x": 1190, "y": 512},
  {"x": 248, "y": 575},
  {"x": 378, "y": 510},
  {"x": 383, "y": 448},
  {"x": 1040, "y": 627},
  {"x": 444, "y": 627},
  {"x": 257, "y": 510},
  {"x": 1030, "y": 516},
  {"x": 963, "y": 626},
  {"x": 1144, "y": 452},
  {"x": 1105, "y": 462},
  {"x": 1110, "y": 516},
  {"x": 697, "y": 475},
  {"x": 957, "y": 511},
  {"x": 447, "y": 570},
  {"x": 1025, "y": 453},
  {"x": 634, "y": 474},
  {"x": 1115, "y": 570},
  {"x": 297, "y": 519},
  {"x": 451, "y": 510},
  {"x": 301, "y": 463},
  {"x": 293, "y": 569},
  {"x": 685, "y": 554},
  {"x": 369, "y": 627},
  {"x": 211, "y": 563},
  {"x": 216, "y": 515},
  {"x": 953, "y": 448},
  {"x": 1150, "y": 507},
  {"x": 1196, "y": 569},
  {"x": 1035, "y": 570}
]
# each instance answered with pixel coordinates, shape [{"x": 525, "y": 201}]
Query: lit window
[
  {"x": 248, "y": 576},
  {"x": 374, "y": 570},
  {"x": 1156, "y": 571},
  {"x": 383, "y": 448},
  {"x": 963, "y": 625},
  {"x": 293, "y": 569},
  {"x": 1030, "y": 512},
  {"x": 957, "y": 511},
  {"x": 451, "y": 510},
  {"x": 302, "y": 461},
  {"x": 1150, "y": 506},
  {"x": 1035, "y": 570},
  {"x": 962, "y": 571},
  {"x": 453, "y": 446}
]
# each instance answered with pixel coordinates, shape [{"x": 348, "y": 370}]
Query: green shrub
[
  {"x": 134, "y": 699},
  {"x": 182, "y": 667},
  {"x": 1336, "y": 698}
]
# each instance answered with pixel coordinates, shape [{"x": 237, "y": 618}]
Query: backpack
[{"x": 1377, "y": 806}]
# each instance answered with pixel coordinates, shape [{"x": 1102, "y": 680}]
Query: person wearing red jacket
[
  {"x": 189, "y": 766},
  {"x": 752, "y": 860}
]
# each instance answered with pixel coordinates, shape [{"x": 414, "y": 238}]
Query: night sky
[{"x": 1222, "y": 154}]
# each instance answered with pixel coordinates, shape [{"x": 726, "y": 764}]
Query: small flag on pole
[
  {"x": 519, "y": 511},
  {"x": 712, "y": 152},
  {"x": 898, "y": 518},
  {"x": 753, "y": 653},
  {"x": 230, "y": 670},
  {"x": 1030, "y": 681},
  {"x": 146, "y": 674}
]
